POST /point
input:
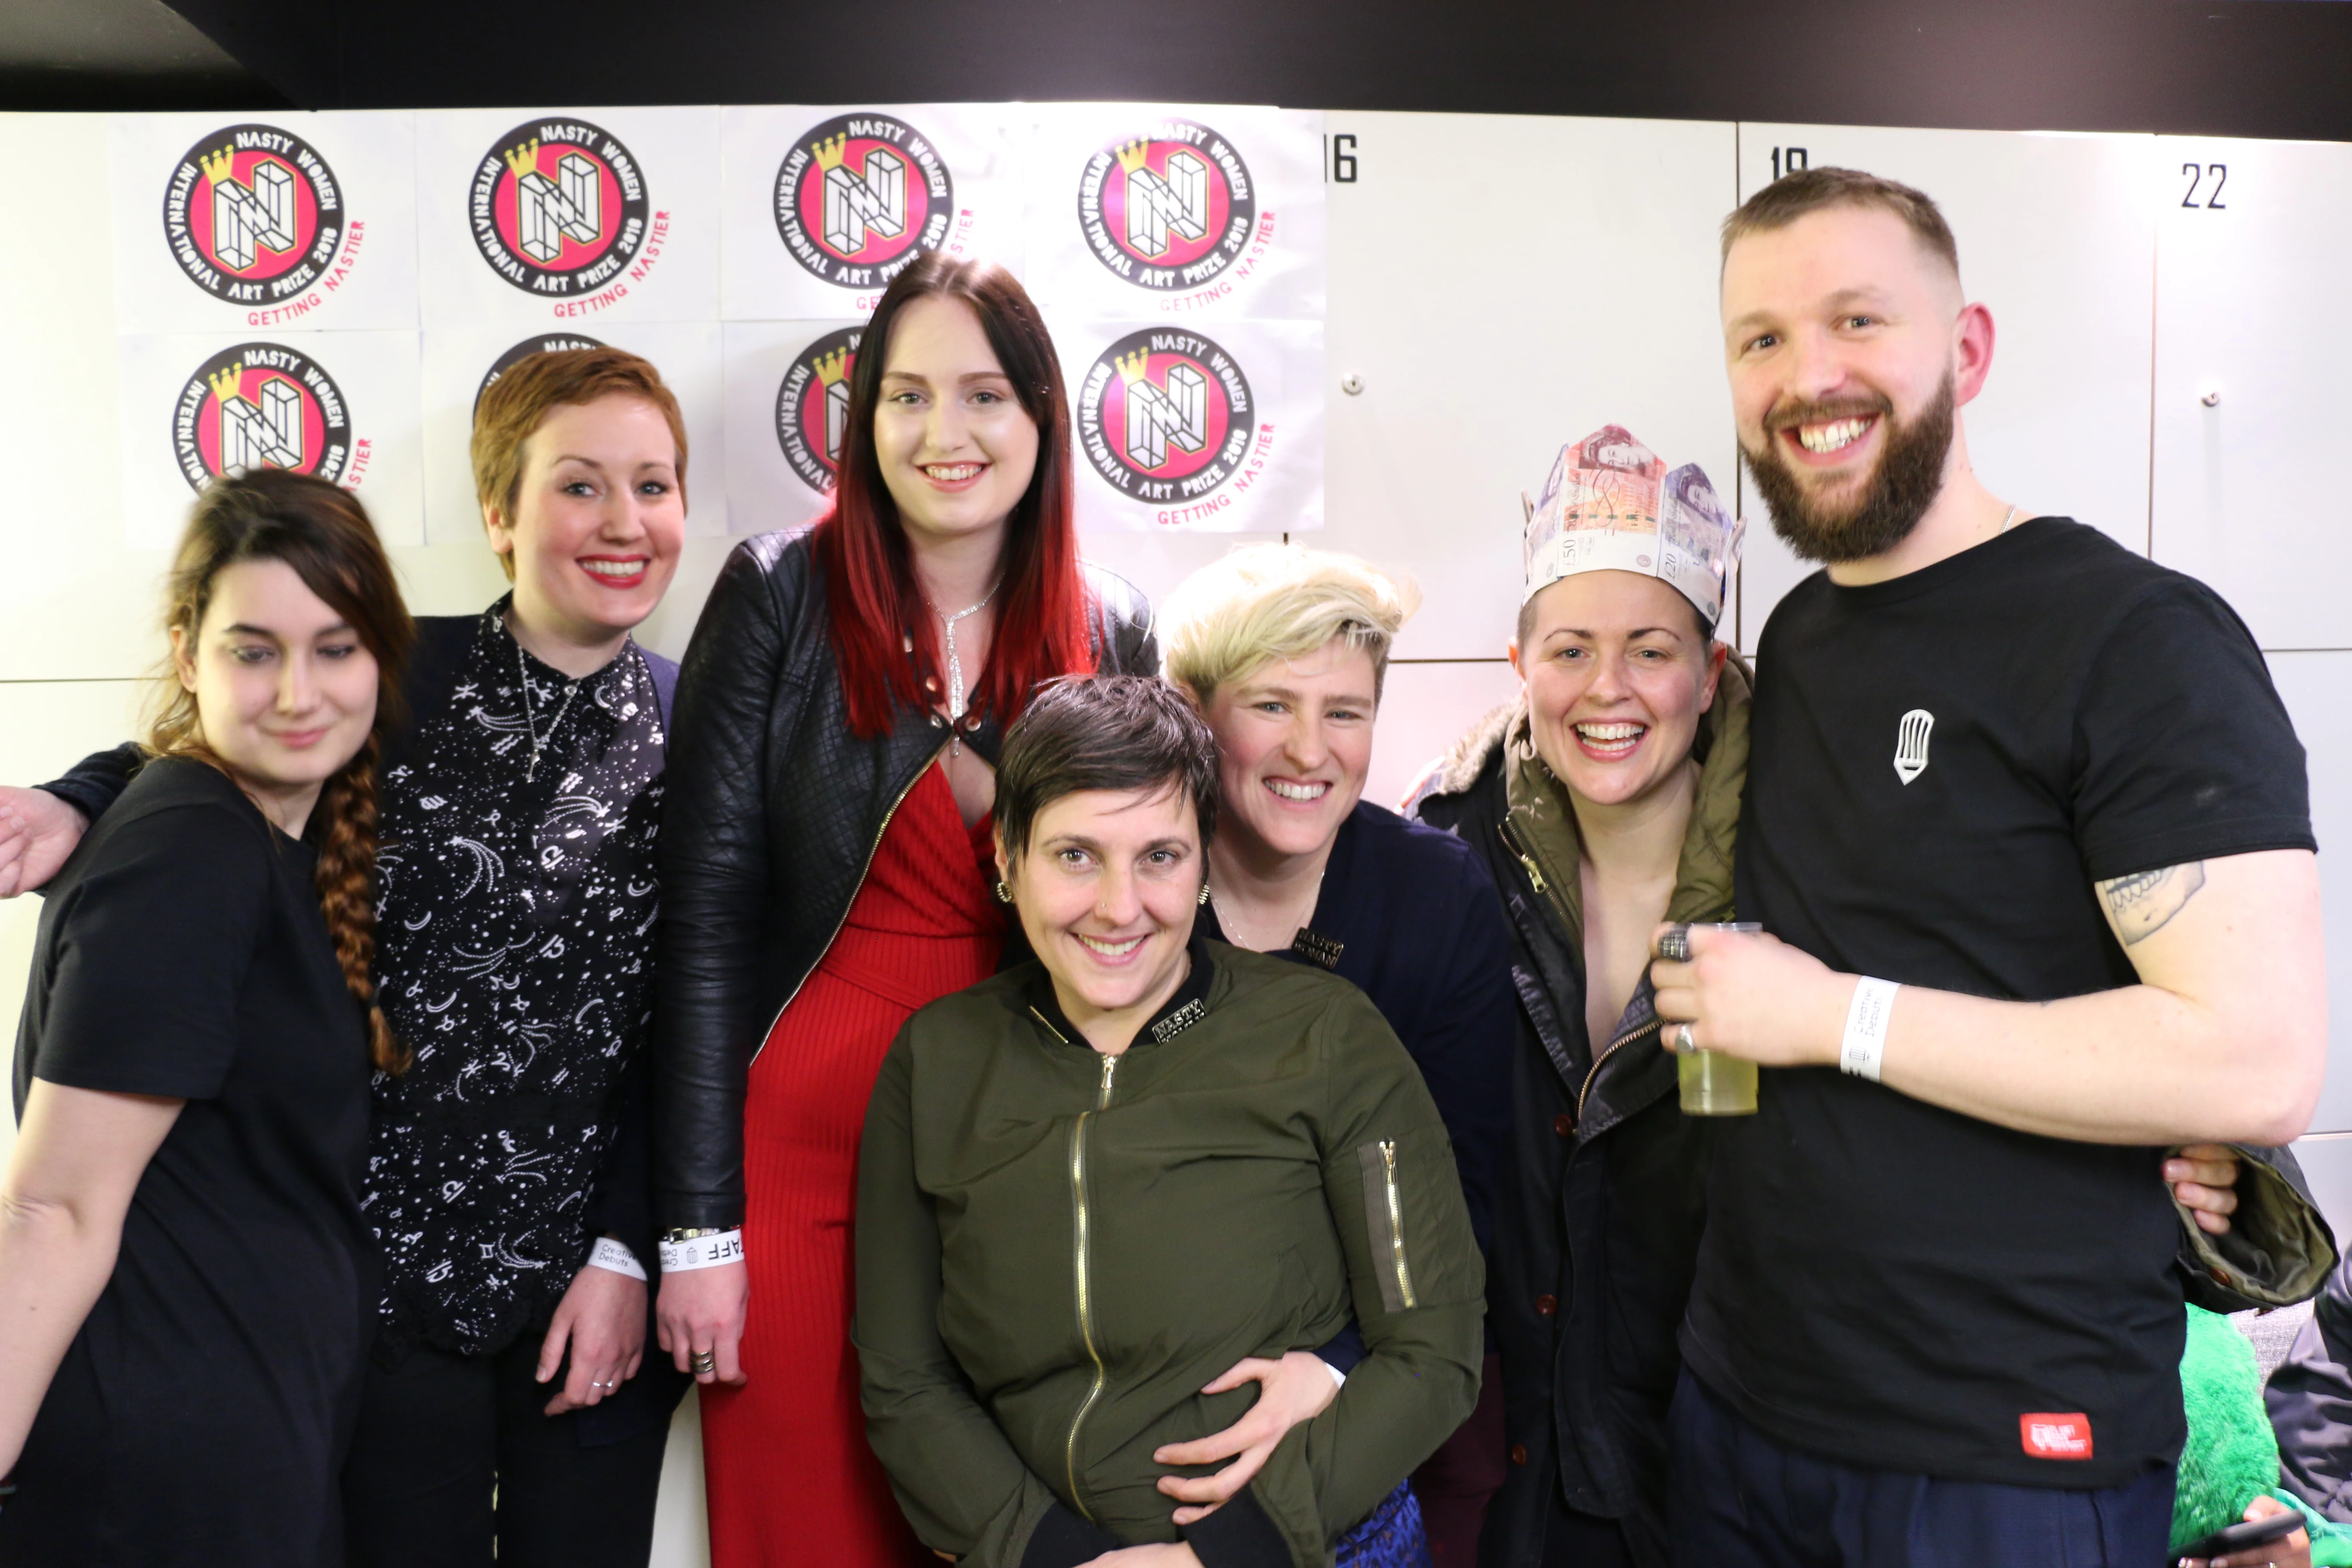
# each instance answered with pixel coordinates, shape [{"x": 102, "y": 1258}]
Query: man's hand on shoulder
[{"x": 38, "y": 832}]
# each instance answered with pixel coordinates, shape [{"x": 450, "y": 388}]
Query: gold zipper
[
  {"x": 1396, "y": 1224},
  {"x": 1086, "y": 1300},
  {"x": 1627, "y": 1039},
  {"x": 863, "y": 871}
]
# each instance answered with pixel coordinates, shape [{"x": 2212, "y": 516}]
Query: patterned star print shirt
[{"x": 515, "y": 934}]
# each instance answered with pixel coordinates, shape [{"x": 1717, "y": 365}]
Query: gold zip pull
[{"x": 1396, "y": 1224}]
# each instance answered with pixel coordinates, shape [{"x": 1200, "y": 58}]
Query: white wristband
[
  {"x": 1337, "y": 1376},
  {"x": 1865, "y": 1046},
  {"x": 702, "y": 1252},
  {"x": 616, "y": 1256}
]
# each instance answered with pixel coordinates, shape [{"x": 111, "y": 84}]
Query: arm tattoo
[{"x": 2143, "y": 903}]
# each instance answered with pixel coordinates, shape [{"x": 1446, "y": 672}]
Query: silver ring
[
  {"x": 1673, "y": 946},
  {"x": 593, "y": 1384},
  {"x": 706, "y": 1361},
  {"x": 1682, "y": 1037}
]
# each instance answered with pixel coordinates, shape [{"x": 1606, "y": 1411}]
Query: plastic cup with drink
[{"x": 1713, "y": 1084}]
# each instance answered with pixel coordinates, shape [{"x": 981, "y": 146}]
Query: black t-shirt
[
  {"x": 1895, "y": 1285},
  {"x": 201, "y": 1412}
]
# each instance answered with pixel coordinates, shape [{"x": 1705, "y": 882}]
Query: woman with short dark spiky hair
[{"x": 1092, "y": 1183}]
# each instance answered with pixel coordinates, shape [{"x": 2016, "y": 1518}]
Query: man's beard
[{"x": 1895, "y": 497}]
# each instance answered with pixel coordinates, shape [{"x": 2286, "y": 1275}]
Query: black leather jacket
[{"x": 773, "y": 812}]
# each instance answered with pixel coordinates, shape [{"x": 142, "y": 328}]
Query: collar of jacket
[
  {"x": 1187, "y": 1007},
  {"x": 1544, "y": 822}
]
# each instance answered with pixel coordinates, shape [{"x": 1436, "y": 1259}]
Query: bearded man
[{"x": 2028, "y": 828}]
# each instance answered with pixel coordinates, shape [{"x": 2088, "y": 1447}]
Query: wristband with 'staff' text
[
  {"x": 713, "y": 1251},
  {"x": 1863, "y": 1048}
]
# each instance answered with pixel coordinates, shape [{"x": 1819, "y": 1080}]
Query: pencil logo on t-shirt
[
  {"x": 2048, "y": 1436},
  {"x": 1911, "y": 745}
]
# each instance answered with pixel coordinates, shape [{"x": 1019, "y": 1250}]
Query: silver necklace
[
  {"x": 955, "y": 664},
  {"x": 529, "y": 724},
  {"x": 1231, "y": 930}
]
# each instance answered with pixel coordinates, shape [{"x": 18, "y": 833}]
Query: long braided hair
[{"x": 323, "y": 534}]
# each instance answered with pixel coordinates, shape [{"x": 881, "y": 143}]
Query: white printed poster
[
  {"x": 1137, "y": 211},
  {"x": 1204, "y": 426},
  {"x": 225, "y": 222},
  {"x": 825, "y": 206},
  {"x": 565, "y": 219},
  {"x": 342, "y": 405},
  {"x": 459, "y": 365},
  {"x": 787, "y": 412}
]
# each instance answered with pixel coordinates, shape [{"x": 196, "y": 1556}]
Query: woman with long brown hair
[
  {"x": 187, "y": 1289},
  {"x": 825, "y": 869}
]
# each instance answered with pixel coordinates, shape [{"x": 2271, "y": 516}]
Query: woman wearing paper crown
[
  {"x": 825, "y": 869},
  {"x": 1604, "y": 801}
]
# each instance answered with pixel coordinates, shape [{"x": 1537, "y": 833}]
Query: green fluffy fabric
[{"x": 2231, "y": 1457}]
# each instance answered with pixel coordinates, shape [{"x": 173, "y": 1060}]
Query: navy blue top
[{"x": 1419, "y": 929}]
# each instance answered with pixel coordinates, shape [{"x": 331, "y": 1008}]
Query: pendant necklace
[
  {"x": 530, "y": 728},
  {"x": 956, "y": 696}
]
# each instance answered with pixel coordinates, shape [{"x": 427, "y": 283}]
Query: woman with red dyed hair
[{"x": 826, "y": 863}]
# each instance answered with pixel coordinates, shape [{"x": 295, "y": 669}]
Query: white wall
[{"x": 1499, "y": 285}]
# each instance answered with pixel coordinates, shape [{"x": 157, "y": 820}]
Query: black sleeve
[
  {"x": 715, "y": 894},
  {"x": 1063, "y": 1540},
  {"x": 1238, "y": 1535},
  {"x": 1466, "y": 1032},
  {"x": 97, "y": 781},
  {"x": 622, "y": 1204},
  {"x": 148, "y": 953},
  {"x": 2184, "y": 750}
]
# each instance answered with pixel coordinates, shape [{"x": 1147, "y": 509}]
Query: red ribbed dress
[{"x": 791, "y": 1480}]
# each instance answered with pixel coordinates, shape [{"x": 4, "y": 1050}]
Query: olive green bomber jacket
[{"x": 1057, "y": 1249}]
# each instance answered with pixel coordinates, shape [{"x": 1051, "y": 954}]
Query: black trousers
[{"x": 455, "y": 1464}]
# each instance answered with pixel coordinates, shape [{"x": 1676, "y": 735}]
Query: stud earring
[
  {"x": 1204, "y": 892},
  {"x": 1003, "y": 894}
]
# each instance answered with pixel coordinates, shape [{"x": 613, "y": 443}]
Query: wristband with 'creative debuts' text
[
  {"x": 712, "y": 1251},
  {"x": 1865, "y": 1046},
  {"x": 615, "y": 1256}
]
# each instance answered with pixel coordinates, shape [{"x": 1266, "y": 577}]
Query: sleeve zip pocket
[{"x": 1384, "y": 1225}]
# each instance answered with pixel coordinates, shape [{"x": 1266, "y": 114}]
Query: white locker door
[
  {"x": 1501, "y": 285},
  {"x": 2056, "y": 237},
  {"x": 2253, "y": 310}
]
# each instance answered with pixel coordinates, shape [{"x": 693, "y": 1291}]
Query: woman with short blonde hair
[{"x": 1285, "y": 650}]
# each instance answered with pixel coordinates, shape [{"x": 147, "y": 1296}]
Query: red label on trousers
[{"x": 2056, "y": 1436}]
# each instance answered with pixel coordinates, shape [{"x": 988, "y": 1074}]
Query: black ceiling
[{"x": 2253, "y": 68}]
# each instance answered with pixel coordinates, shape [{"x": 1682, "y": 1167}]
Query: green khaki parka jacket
[{"x": 1057, "y": 1249}]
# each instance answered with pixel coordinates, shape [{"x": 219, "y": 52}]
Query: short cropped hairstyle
[
  {"x": 516, "y": 404},
  {"x": 1119, "y": 733},
  {"x": 1268, "y": 602},
  {"x": 1792, "y": 195}
]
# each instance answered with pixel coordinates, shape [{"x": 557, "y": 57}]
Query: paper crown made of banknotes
[{"x": 1611, "y": 505}]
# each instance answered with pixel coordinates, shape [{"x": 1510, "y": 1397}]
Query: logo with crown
[
  {"x": 812, "y": 407},
  {"x": 1166, "y": 415},
  {"x": 260, "y": 405},
  {"x": 253, "y": 215},
  {"x": 558, "y": 208},
  {"x": 858, "y": 197},
  {"x": 1171, "y": 210}
]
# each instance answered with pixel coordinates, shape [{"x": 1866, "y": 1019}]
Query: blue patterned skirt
[{"x": 1391, "y": 1537}]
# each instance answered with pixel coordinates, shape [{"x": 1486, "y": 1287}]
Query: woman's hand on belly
[{"x": 1299, "y": 1387}]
